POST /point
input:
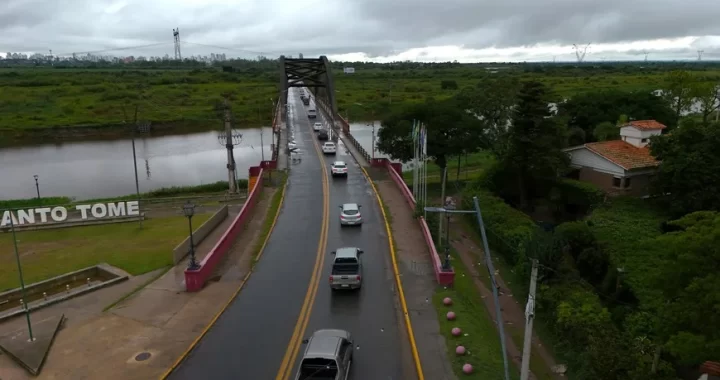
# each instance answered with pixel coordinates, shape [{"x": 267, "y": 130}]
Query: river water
[{"x": 99, "y": 169}]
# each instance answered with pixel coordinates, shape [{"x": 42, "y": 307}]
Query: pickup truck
[{"x": 346, "y": 269}]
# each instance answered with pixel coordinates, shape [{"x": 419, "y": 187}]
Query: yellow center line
[{"x": 304, "y": 318}]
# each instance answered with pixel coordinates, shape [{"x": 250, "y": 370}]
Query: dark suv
[{"x": 323, "y": 135}]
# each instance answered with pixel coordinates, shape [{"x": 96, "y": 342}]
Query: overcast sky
[{"x": 380, "y": 30}]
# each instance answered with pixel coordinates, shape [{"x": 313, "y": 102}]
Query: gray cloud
[{"x": 375, "y": 27}]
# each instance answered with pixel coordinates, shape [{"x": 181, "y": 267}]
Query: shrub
[
  {"x": 578, "y": 197},
  {"x": 508, "y": 230}
]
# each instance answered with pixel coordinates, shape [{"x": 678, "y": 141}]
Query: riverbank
[
  {"x": 79, "y": 133},
  {"x": 217, "y": 188}
]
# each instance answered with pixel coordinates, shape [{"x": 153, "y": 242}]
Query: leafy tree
[
  {"x": 587, "y": 111},
  {"x": 690, "y": 286},
  {"x": 448, "y": 85},
  {"x": 451, "y": 131},
  {"x": 606, "y": 131},
  {"x": 492, "y": 100},
  {"x": 690, "y": 165},
  {"x": 678, "y": 92},
  {"x": 708, "y": 97},
  {"x": 533, "y": 157}
]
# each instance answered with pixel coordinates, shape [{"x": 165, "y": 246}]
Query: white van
[{"x": 311, "y": 113}]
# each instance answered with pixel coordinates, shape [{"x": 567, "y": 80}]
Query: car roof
[
  {"x": 339, "y": 163},
  {"x": 329, "y": 143},
  {"x": 350, "y": 206},
  {"x": 346, "y": 253},
  {"x": 325, "y": 343},
  {"x": 317, "y": 122}
]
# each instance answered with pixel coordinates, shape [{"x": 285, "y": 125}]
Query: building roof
[
  {"x": 646, "y": 125},
  {"x": 623, "y": 154}
]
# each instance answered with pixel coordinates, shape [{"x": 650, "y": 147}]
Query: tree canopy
[
  {"x": 688, "y": 175},
  {"x": 588, "y": 110},
  {"x": 451, "y": 131}
]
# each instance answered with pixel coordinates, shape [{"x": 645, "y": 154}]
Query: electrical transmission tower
[
  {"x": 580, "y": 53},
  {"x": 700, "y": 54},
  {"x": 176, "y": 38},
  {"x": 646, "y": 54}
]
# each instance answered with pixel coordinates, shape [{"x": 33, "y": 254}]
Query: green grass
[
  {"x": 48, "y": 253},
  {"x": 482, "y": 340},
  {"x": 164, "y": 192},
  {"x": 267, "y": 226},
  {"x": 470, "y": 168},
  {"x": 38, "y": 98}
]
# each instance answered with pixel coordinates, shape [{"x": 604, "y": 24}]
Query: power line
[
  {"x": 113, "y": 49},
  {"x": 224, "y": 48}
]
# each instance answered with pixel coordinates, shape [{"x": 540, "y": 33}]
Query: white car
[
  {"x": 350, "y": 215},
  {"x": 317, "y": 127},
  {"x": 339, "y": 168},
  {"x": 329, "y": 148}
]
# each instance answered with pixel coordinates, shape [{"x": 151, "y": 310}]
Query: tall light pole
[
  {"x": 22, "y": 280},
  {"x": 491, "y": 271},
  {"x": 37, "y": 187},
  {"x": 189, "y": 211}
]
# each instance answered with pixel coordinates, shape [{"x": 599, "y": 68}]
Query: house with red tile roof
[{"x": 622, "y": 166}]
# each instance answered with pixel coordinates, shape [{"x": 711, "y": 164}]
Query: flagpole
[{"x": 425, "y": 169}]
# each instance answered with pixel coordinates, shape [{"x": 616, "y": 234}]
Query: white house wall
[{"x": 584, "y": 158}]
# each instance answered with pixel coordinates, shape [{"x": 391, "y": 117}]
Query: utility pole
[
  {"x": 232, "y": 179},
  {"x": 529, "y": 318},
  {"x": 442, "y": 199},
  {"x": 491, "y": 271},
  {"x": 132, "y": 137}
]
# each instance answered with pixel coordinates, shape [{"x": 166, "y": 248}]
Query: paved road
[
  {"x": 370, "y": 314},
  {"x": 250, "y": 338}
]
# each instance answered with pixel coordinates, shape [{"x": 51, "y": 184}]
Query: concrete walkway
[
  {"x": 161, "y": 319},
  {"x": 416, "y": 273}
]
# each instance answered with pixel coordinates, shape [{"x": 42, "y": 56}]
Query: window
[
  {"x": 617, "y": 182},
  {"x": 644, "y": 140},
  {"x": 627, "y": 183}
]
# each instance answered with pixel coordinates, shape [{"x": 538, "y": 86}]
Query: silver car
[
  {"x": 346, "y": 269},
  {"x": 350, "y": 215},
  {"x": 328, "y": 356}
]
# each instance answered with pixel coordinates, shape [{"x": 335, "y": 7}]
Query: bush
[
  {"x": 577, "y": 236},
  {"x": 34, "y": 202},
  {"x": 578, "y": 197},
  {"x": 508, "y": 230}
]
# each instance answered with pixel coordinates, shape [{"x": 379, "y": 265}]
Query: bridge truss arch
[{"x": 313, "y": 73}]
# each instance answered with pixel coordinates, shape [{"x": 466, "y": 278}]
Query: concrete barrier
[
  {"x": 196, "y": 279},
  {"x": 443, "y": 277},
  {"x": 199, "y": 234}
]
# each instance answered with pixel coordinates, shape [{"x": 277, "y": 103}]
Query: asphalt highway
[
  {"x": 370, "y": 314},
  {"x": 249, "y": 340},
  {"x": 254, "y": 337}
]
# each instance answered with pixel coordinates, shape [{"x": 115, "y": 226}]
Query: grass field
[
  {"x": 40, "y": 98},
  {"x": 48, "y": 253},
  {"x": 470, "y": 167},
  {"x": 479, "y": 335}
]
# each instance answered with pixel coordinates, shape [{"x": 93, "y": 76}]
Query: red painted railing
[{"x": 196, "y": 279}]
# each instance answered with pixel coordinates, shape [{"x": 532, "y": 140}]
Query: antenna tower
[
  {"x": 646, "y": 54},
  {"x": 176, "y": 38},
  {"x": 580, "y": 54},
  {"x": 700, "y": 54}
]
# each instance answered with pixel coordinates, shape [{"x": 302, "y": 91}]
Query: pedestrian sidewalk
[
  {"x": 142, "y": 336},
  {"x": 416, "y": 273}
]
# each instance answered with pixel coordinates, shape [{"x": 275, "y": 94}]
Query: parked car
[
  {"x": 346, "y": 269},
  {"x": 323, "y": 135},
  {"x": 350, "y": 214},
  {"x": 329, "y": 148},
  {"x": 328, "y": 356},
  {"x": 317, "y": 127},
  {"x": 339, "y": 168}
]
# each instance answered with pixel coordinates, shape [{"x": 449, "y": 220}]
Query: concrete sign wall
[{"x": 59, "y": 214}]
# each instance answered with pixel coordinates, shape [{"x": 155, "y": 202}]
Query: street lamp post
[
  {"x": 22, "y": 280},
  {"x": 189, "y": 211},
  {"x": 450, "y": 209},
  {"x": 37, "y": 186}
]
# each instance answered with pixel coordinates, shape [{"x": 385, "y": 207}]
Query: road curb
[{"x": 207, "y": 328}]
